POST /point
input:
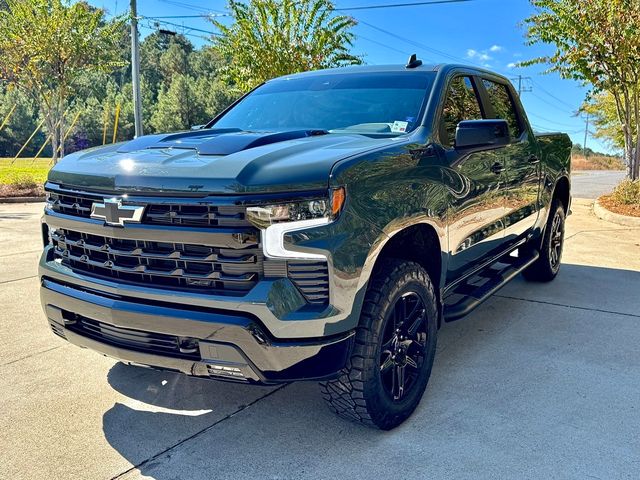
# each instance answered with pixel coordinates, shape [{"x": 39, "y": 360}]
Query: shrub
[
  {"x": 627, "y": 193},
  {"x": 23, "y": 181}
]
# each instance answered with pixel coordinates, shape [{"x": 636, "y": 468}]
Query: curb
[
  {"x": 21, "y": 199},
  {"x": 603, "y": 214}
]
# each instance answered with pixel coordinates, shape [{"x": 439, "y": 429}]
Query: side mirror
[
  {"x": 197, "y": 127},
  {"x": 482, "y": 133}
]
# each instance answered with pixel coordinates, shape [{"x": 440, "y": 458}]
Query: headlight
[
  {"x": 264, "y": 216},
  {"x": 276, "y": 221}
]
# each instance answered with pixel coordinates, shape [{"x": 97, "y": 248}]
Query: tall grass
[{"x": 596, "y": 162}]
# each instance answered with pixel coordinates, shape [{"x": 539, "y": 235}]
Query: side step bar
[{"x": 479, "y": 287}]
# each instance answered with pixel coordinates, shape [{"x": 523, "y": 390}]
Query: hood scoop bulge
[{"x": 216, "y": 142}]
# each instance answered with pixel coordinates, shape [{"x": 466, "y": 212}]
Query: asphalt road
[
  {"x": 594, "y": 183},
  {"x": 542, "y": 381}
]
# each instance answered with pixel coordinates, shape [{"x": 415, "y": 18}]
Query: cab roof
[{"x": 368, "y": 69}]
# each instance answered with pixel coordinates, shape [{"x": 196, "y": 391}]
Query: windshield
[{"x": 386, "y": 103}]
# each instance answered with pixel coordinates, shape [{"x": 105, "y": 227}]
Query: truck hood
[{"x": 223, "y": 161}]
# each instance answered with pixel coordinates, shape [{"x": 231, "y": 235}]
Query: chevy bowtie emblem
[{"x": 114, "y": 213}]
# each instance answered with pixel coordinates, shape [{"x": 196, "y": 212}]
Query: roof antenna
[{"x": 413, "y": 62}]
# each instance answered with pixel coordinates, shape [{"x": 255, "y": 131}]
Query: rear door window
[{"x": 503, "y": 106}]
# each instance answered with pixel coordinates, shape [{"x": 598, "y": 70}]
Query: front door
[{"x": 476, "y": 183}]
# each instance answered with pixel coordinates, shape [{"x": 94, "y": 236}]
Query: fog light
[{"x": 224, "y": 371}]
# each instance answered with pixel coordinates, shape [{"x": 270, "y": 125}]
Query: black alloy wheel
[{"x": 404, "y": 344}]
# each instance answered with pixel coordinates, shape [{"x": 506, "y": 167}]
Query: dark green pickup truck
[{"x": 323, "y": 227}]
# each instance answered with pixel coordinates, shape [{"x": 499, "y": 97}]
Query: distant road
[{"x": 593, "y": 183}]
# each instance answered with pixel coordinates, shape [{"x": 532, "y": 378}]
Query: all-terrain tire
[
  {"x": 361, "y": 393},
  {"x": 547, "y": 266}
]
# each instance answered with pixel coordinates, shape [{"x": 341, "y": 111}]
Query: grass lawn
[{"x": 24, "y": 177}]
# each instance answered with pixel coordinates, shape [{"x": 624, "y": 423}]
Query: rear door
[{"x": 522, "y": 165}]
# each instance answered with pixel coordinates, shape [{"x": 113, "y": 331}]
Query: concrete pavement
[
  {"x": 542, "y": 381},
  {"x": 594, "y": 183}
]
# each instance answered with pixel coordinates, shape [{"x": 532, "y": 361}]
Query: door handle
[
  {"x": 497, "y": 168},
  {"x": 533, "y": 160}
]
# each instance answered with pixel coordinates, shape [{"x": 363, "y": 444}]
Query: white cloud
[
  {"x": 512, "y": 65},
  {"x": 496, "y": 48},
  {"x": 480, "y": 56}
]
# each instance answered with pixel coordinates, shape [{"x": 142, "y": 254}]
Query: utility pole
[
  {"x": 586, "y": 132},
  {"x": 522, "y": 88},
  {"x": 519, "y": 85},
  {"x": 135, "y": 69}
]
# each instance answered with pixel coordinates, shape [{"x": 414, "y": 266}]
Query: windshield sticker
[{"x": 399, "y": 127}]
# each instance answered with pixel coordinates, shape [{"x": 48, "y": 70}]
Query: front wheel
[
  {"x": 394, "y": 349},
  {"x": 547, "y": 266}
]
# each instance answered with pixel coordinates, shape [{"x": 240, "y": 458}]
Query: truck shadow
[{"x": 481, "y": 359}]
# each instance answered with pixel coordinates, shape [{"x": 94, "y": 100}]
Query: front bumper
[{"x": 230, "y": 345}]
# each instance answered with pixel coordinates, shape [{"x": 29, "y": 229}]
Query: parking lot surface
[
  {"x": 542, "y": 381},
  {"x": 594, "y": 183}
]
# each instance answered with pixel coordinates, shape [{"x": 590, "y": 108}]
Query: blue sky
[{"x": 480, "y": 32}]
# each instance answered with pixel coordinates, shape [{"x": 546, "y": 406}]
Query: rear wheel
[
  {"x": 394, "y": 349},
  {"x": 547, "y": 266}
]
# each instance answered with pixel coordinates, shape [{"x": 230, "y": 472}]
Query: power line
[
  {"x": 397, "y": 5},
  {"x": 173, "y": 24},
  {"x": 202, "y": 15},
  {"x": 409, "y": 41},
  {"x": 425, "y": 47},
  {"x": 404, "y": 52},
  {"x": 550, "y": 121},
  {"x": 551, "y": 95},
  {"x": 544, "y": 129},
  {"x": 544, "y": 100},
  {"x": 214, "y": 13},
  {"x": 188, "y": 6},
  {"x": 186, "y": 34}
]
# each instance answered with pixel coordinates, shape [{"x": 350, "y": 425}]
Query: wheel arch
[
  {"x": 420, "y": 242},
  {"x": 562, "y": 192}
]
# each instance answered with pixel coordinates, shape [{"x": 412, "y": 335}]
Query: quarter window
[
  {"x": 461, "y": 104},
  {"x": 503, "y": 106}
]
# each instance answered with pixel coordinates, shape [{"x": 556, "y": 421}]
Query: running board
[{"x": 479, "y": 287}]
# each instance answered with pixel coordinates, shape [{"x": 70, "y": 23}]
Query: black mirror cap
[{"x": 482, "y": 133}]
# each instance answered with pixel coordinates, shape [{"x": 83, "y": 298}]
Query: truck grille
[
  {"x": 188, "y": 213},
  {"x": 148, "y": 342},
  {"x": 160, "y": 264},
  {"x": 220, "y": 270}
]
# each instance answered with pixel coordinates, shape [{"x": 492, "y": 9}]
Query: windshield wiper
[{"x": 316, "y": 132}]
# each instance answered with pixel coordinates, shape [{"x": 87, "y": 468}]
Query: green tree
[
  {"x": 20, "y": 125},
  {"x": 604, "y": 116},
  {"x": 178, "y": 108},
  {"x": 47, "y": 46},
  {"x": 206, "y": 66},
  {"x": 161, "y": 55},
  {"x": 596, "y": 42},
  {"x": 270, "y": 38}
]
